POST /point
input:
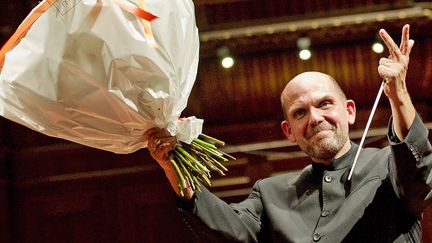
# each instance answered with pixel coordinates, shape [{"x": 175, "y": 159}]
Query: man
[{"x": 384, "y": 200}]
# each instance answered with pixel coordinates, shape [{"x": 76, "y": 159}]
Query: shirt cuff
[
  {"x": 417, "y": 133},
  {"x": 183, "y": 205},
  {"x": 391, "y": 134}
]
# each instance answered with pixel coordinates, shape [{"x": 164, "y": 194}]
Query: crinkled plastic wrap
[{"x": 88, "y": 71}]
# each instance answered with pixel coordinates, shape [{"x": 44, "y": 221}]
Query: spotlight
[
  {"x": 227, "y": 62},
  {"x": 226, "y": 59},
  {"x": 377, "y": 47},
  {"x": 305, "y": 54},
  {"x": 303, "y": 44}
]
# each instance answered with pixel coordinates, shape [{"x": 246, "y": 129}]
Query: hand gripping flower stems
[
  {"x": 194, "y": 162},
  {"x": 126, "y": 100}
]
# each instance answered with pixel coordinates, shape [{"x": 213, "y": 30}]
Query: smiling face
[{"x": 317, "y": 116}]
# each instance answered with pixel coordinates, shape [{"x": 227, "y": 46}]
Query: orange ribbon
[
  {"x": 44, "y": 6},
  {"x": 131, "y": 8},
  {"x": 23, "y": 29}
]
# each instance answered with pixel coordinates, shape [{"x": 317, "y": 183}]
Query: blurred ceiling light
[
  {"x": 303, "y": 44},
  {"x": 227, "y": 62},
  {"x": 305, "y": 54},
  {"x": 337, "y": 22},
  {"x": 417, "y": 10},
  {"x": 358, "y": 20},
  {"x": 292, "y": 27},
  {"x": 315, "y": 24},
  {"x": 378, "y": 47},
  {"x": 225, "y": 57},
  {"x": 402, "y": 15},
  {"x": 380, "y": 17}
]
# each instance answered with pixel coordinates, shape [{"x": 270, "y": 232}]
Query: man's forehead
[
  {"x": 308, "y": 84},
  {"x": 310, "y": 78},
  {"x": 312, "y": 97}
]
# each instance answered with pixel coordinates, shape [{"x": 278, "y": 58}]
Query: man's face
[{"x": 318, "y": 116}]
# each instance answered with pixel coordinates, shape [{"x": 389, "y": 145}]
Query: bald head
[
  {"x": 317, "y": 116},
  {"x": 305, "y": 82}
]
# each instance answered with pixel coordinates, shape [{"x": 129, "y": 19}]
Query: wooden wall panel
[
  {"x": 148, "y": 213},
  {"x": 250, "y": 90},
  {"x": 83, "y": 195},
  {"x": 427, "y": 225},
  {"x": 63, "y": 217},
  {"x": 4, "y": 209},
  {"x": 229, "y": 12},
  {"x": 63, "y": 192},
  {"x": 116, "y": 205},
  {"x": 9, "y": 20},
  {"x": 4, "y": 187},
  {"x": 12, "y": 13}
]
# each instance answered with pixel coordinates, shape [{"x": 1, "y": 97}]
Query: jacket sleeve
[
  {"x": 410, "y": 167},
  {"x": 211, "y": 219}
]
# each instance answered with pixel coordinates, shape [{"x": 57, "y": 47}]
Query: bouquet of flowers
[{"x": 103, "y": 72}]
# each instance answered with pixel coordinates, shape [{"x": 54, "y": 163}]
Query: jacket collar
[{"x": 340, "y": 163}]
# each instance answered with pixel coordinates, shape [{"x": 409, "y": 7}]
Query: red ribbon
[
  {"x": 131, "y": 8},
  {"x": 28, "y": 22}
]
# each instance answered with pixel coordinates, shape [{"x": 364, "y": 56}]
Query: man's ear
[
  {"x": 351, "y": 111},
  {"x": 286, "y": 128}
]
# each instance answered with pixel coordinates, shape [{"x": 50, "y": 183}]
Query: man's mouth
[
  {"x": 321, "y": 134},
  {"x": 321, "y": 131}
]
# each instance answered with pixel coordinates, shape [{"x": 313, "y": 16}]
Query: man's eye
[
  {"x": 299, "y": 114},
  {"x": 325, "y": 104}
]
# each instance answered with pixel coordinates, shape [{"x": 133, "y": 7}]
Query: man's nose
[{"x": 316, "y": 117}]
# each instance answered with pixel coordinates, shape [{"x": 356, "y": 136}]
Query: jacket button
[
  {"x": 325, "y": 213},
  {"x": 316, "y": 237},
  {"x": 328, "y": 178}
]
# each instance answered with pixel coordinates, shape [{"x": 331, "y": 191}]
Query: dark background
[{"x": 52, "y": 190}]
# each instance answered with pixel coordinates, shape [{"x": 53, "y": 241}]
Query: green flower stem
[
  {"x": 197, "y": 183},
  {"x": 204, "y": 179},
  {"x": 204, "y": 144},
  {"x": 185, "y": 161},
  {"x": 227, "y": 155},
  {"x": 213, "y": 140},
  {"x": 180, "y": 179},
  {"x": 188, "y": 176},
  {"x": 192, "y": 159},
  {"x": 219, "y": 165},
  {"x": 194, "y": 162},
  {"x": 214, "y": 153}
]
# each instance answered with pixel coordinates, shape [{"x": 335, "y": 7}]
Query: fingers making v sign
[{"x": 394, "y": 68}]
